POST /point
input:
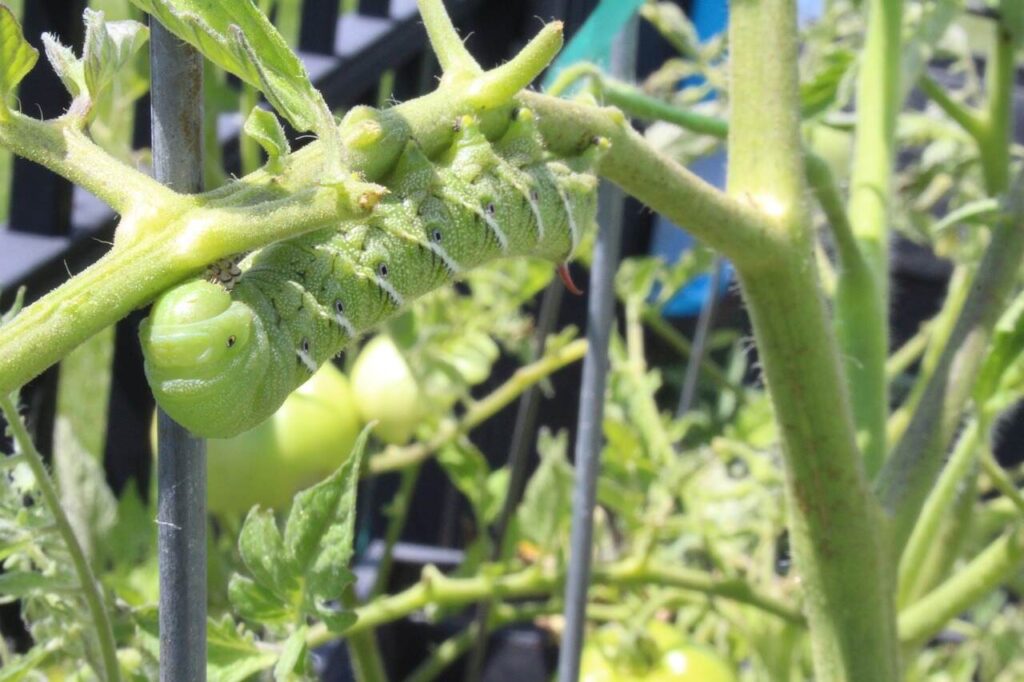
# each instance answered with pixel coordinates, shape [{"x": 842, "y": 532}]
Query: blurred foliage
[{"x": 700, "y": 491}]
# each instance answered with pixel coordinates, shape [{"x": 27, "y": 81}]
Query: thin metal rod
[
  {"x": 705, "y": 323},
  {"x": 523, "y": 438},
  {"x": 600, "y": 315},
  {"x": 177, "y": 117}
]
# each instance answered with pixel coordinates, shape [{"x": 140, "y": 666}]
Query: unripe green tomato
[
  {"x": 666, "y": 656},
  {"x": 387, "y": 392},
  {"x": 308, "y": 437}
]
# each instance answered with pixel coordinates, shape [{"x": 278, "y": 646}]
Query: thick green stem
[
  {"x": 730, "y": 225},
  {"x": 86, "y": 579},
  {"x": 862, "y": 289},
  {"x": 834, "y": 520},
  {"x": 980, "y": 576}
]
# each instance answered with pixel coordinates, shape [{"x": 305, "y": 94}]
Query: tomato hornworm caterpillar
[{"x": 221, "y": 361}]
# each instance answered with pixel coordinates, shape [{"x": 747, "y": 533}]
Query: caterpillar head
[{"x": 196, "y": 344}]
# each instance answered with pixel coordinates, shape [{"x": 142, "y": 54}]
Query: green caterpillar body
[{"x": 221, "y": 361}]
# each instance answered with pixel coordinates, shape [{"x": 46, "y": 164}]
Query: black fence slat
[
  {"x": 319, "y": 26},
  {"x": 40, "y": 199}
]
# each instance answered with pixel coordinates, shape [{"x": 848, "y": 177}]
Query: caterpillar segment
[{"x": 221, "y": 361}]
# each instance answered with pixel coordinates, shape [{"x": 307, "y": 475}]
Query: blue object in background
[{"x": 709, "y": 17}]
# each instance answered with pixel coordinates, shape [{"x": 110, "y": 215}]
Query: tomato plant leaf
[
  {"x": 546, "y": 506},
  {"x": 262, "y": 126},
  {"x": 257, "y": 603},
  {"x": 239, "y": 38},
  {"x": 17, "y": 57},
  {"x": 819, "y": 92},
  {"x": 109, "y": 46},
  {"x": 233, "y": 654},
  {"x": 66, "y": 65},
  {"x": 18, "y": 584},
  {"x": 315, "y": 510},
  {"x": 262, "y": 551}
]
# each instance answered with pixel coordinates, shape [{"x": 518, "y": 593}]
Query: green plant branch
[
  {"x": 941, "y": 327},
  {"x": 936, "y": 509},
  {"x": 456, "y": 646},
  {"x": 64, "y": 149},
  {"x": 910, "y": 352},
  {"x": 1001, "y": 481},
  {"x": 712, "y": 372},
  {"x": 398, "y": 513},
  {"x": 727, "y": 224},
  {"x": 437, "y": 590},
  {"x": 398, "y": 457},
  {"x": 367, "y": 663},
  {"x": 834, "y": 519},
  {"x": 862, "y": 290},
  {"x": 916, "y": 460},
  {"x": 968, "y": 118},
  {"x": 921, "y": 44},
  {"x": 927, "y": 616},
  {"x": 86, "y": 579},
  {"x": 997, "y": 127},
  {"x": 451, "y": 53},
  {"x": 649, "y": 415}
]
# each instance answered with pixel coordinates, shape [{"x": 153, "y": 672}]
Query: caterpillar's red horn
[{"x": 563, "y": 272}]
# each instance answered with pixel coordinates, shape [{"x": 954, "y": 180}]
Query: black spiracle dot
[
  {"x": 305, "y": 345},
  {"x": 491, "y": 208},
  {"x": 231, "y": 340},
  {"x": 436, "y": 236},
  {"x": 534, "y": 196},
  {"x": 339, "y": 307},
  {"x": 382, "y": 270}
]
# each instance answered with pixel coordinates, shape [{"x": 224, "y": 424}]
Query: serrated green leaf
[
  {"x": 17, "y": 57},
  {"x": 65, "y": 64},
  {"x": 468, "y": 470},
  {"x": 262, "y": 126},
  {"x": 257, "y": 603},
  {"x": 239, "y": 38},
  {"x": 819, "y": 93},
  {"x": 315, "y": 510},
  {"x": 233, "y": 655},
  {"x": 547, "y": 501},
  {"x": 108, "y": 48},
  {"x": 334, "y": 615},
  {"x": 293, "y": 661},
  {"x": 262, "y": 551}
]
